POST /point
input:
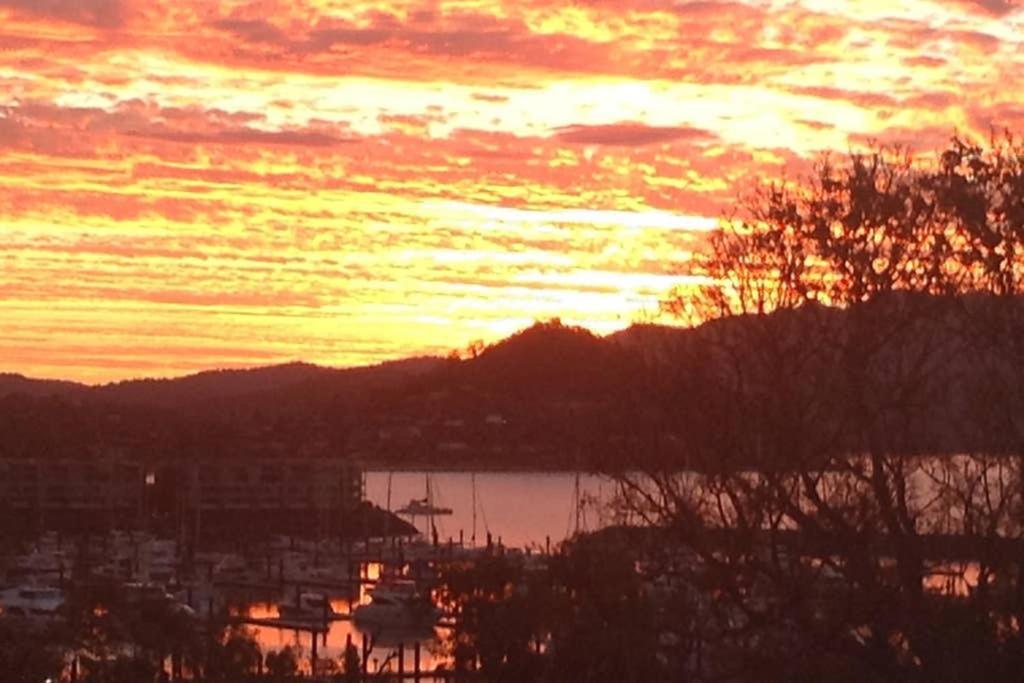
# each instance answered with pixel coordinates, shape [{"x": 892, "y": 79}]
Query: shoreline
[{"x": 428, "y": 469}]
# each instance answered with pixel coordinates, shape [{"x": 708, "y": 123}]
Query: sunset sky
[{"x": 195, "y": 184}]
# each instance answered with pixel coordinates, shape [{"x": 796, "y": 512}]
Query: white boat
[
  {"x": 299, "y": 567},
  {"x": 41, "y": 563},
  {"x": 423, "y": 507},
  {"x": 230, "y": 567},
  {"x": 32, "y": 601},
  {"x": 308, "y": 607},
  {"x": 158, "y": 561},
  {"x": 201, "y": 595},
  {"x": 419, "y": 507},
  {"x": 140, "y": 594},
  {"x": 117, "y": 568},
  {"x": 396, "y": 603}
]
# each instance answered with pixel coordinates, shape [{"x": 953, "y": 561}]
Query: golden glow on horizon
[{"x": 191, "y": 185}]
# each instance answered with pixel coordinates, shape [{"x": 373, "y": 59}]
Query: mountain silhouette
[{"x": 554, "y": 395}]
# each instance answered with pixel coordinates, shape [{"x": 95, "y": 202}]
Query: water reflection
[
  {"x": 523, "y": 509},
  {"x": 385, "y": 645},
  {"x": 332, "y": 642}
]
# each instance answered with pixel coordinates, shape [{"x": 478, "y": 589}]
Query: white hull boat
[
  {"x": 396, "y": 604},
  {"x": 33, "y": 602},
  {"x": 314, "y": 607}
]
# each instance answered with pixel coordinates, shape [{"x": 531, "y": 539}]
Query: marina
[{"x": 311, "y": 593}]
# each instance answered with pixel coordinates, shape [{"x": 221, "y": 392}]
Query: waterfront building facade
[{"x": 315, "y": 494}]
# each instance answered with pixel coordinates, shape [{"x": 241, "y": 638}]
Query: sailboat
[
  {"x": 578, "y": 513},
  {"x": 423, "y": 506}
]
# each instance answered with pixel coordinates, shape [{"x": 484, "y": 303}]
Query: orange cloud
[{"x": 190, "y": 185}]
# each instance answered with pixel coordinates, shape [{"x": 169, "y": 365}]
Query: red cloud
[{"x": 100, "y": 13}]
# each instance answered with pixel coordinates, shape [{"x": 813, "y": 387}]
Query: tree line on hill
[{"x": 557, "y": 396}]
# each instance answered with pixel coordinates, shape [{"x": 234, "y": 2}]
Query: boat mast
[
  {"x": 577, "y": 503},
  {"x": 387, "y": 523},
  {"x": 389, "y": 490},
  {"x": 472, "y": 479},
  {"x": 430, "y": 507}
]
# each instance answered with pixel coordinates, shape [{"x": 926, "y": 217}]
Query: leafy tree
[
  {"x": 582, "y": 617},
  {"x": 498, "y": 618},
  {"x": 233, "y": 657},
  {"x": 350, "y": 665},
  {"x": 121, "y": 669},
  {"x": 101, "y": 620},
  {"x": 605, "y": 626},
  {"x": 283, "y": 664},
  {"x": 27, "y": 657}
]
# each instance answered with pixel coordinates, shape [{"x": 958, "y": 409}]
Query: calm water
[
  {"x": 522, "y": 508},
  {"x": 331, "y": 645}
]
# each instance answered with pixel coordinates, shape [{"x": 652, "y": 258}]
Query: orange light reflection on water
[
  {"x": 331, "y": 644},
  {"x": 953, "y": 579}
]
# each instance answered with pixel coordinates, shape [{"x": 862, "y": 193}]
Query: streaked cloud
[
  {"x": 629, "y": 134},
  {"x": 190, "y": 184},
  {"x": 100, "y": 13}
]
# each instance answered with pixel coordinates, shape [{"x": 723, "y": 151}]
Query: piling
[{"x": 312, "y": 663}]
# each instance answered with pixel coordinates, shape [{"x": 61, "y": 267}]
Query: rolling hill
[{"x": 912, "y": 369}]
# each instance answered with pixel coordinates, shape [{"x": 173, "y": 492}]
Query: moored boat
[
  {"x": 396, "y": 603},
  {"x": 307, "y": 607},
  {"x": 36, "y": 602}
]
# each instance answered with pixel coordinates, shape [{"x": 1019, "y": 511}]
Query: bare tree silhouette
[{"x": 811, "y": 532}]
